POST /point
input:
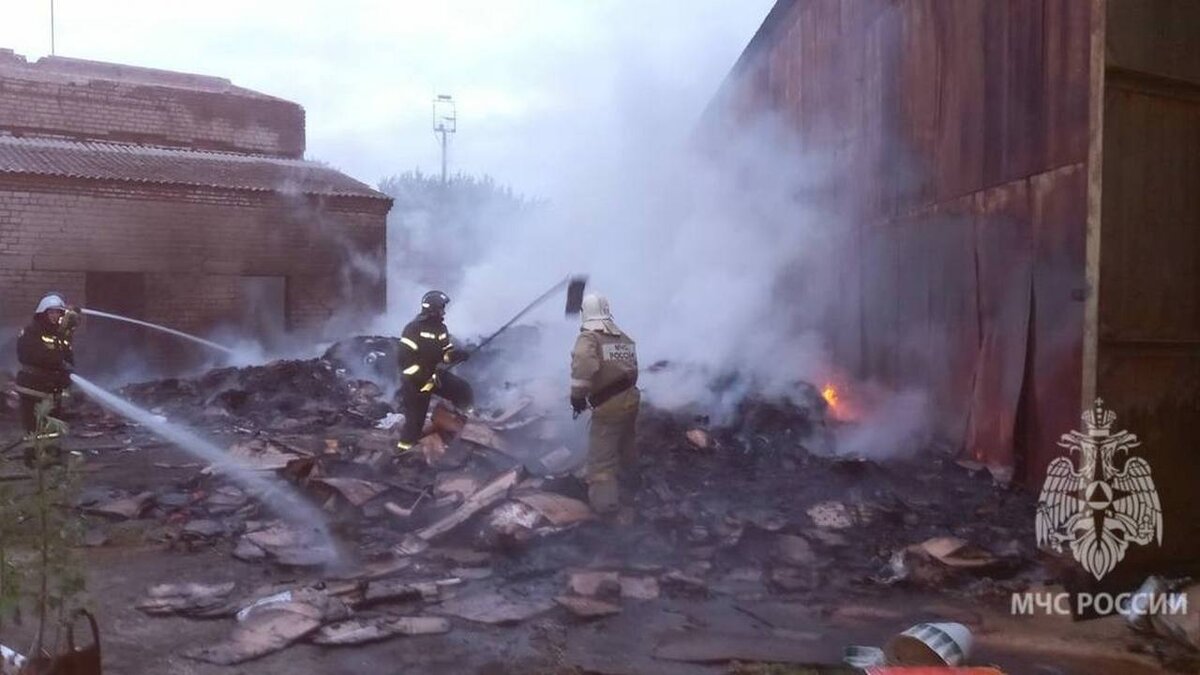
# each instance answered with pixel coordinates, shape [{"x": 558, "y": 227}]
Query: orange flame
[
  {"x": 830, "y": 394},
  {"x": 841, "y": 408}
]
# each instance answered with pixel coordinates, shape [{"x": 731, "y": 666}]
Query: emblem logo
[{"x": 1098, "y": 510}]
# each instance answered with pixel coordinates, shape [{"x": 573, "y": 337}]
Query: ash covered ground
[{"x": 476, "y": 551}]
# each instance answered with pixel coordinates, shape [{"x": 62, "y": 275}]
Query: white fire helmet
[
  {"x": 51, "y": 301},
  {"x": 596, "y": 315},
  {"x": 594, "y": 308}
]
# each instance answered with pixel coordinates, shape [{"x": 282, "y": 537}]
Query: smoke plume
[{"x": 720, "y": 259}]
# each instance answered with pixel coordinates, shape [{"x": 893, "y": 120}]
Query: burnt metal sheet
[
  {"x": 963, "y": 127},
  {"x": 979, "y": 298},
  {"x": 1154, "y": 36},
  {"x": 1004, "y": 249},
  {"x": 1155, "y": 390},
  {"x": 1149, "y": 297},
  {"x": 1066, "y": 71},
  {"x": 934, "y": 99},
  {"x": 966, "y": 129},
  {"x": 919, "y": 279},
  {"x": 1058, "y": 211},
  {"x": 1150, "y": 252}
]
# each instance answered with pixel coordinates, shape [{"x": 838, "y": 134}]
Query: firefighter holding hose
[
  {"x": 604, "y": 374},
  {"x": 425, "y": 344},
  {"x": 47, "y": 359}
]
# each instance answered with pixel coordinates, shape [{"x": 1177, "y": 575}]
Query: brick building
[{"x": 176, "y": 198}]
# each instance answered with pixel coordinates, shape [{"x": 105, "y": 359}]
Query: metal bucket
[{"x": 930, "y": 644}]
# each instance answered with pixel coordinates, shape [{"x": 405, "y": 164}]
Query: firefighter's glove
[
  {"x": 70, "y": 321},
  {"x": 578, "y": 405}
]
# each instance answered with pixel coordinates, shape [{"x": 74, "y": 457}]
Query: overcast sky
[{"x": 537, "y": 82}]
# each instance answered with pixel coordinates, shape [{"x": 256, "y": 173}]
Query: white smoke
[
  {"x": 689, "y": 256},
  {"x": 883, "y": 422},
  {"x": 719, "y": 261},
  {"x": 719, "y": 258}
]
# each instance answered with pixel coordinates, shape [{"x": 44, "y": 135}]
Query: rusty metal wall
[
  {"x": 1148, "y": 367},
  {"x": 961, "y": 130}
]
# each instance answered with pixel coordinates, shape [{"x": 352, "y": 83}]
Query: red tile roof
[{"x": 170, "y": 166}]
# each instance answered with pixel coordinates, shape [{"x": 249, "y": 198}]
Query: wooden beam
[{"x": 1095, "y": 165}]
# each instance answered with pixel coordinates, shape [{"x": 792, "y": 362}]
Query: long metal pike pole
[{"x": 540, "y": 299}]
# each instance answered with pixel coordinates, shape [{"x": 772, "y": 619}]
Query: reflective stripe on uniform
[
  {"x": 401, "y": 445},
  {"x": 428, "y": 386},
  {"x": 408, "y": 343},
  {"x": 580, "y": 383},
  {"x": 443, "y": 336},
  {"x": 49, "y": 340},
  {"x": 431, "y": 336},
  {"x": 411, "y": 369}
]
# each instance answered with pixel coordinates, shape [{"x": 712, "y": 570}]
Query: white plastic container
[
  {"x": 930, "y": 644},
  {"x": 11, "y": 662}
]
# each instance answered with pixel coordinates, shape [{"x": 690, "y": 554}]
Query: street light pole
[
  {"x": 51, "y": 27},
  {"x": 445, "y": 122},
  {"x": 443, "y": 157}
]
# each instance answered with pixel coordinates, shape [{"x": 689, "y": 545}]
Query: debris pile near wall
[{"x": 485, "y": 520}]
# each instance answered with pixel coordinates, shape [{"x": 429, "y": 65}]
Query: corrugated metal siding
[
  {"x": 1154, "y": 36},
  {"x": 1149, "y": 348},
  {"x": 935, "y": 99},
  {"x": 962, "y": 130}
]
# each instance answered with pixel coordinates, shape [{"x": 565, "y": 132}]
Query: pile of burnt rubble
[
  {"x": 485, "y": 521},
  {"x": 304, "y": 396}
]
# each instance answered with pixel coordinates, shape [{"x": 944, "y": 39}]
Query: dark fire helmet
[{"x": 434, "y": 302}]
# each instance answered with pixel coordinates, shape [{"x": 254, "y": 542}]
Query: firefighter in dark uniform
[
  {"x": 424, "y": 345},
  {"x": 47, "y": 359}
]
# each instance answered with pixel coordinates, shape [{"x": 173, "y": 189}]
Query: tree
[
  {"x": 41, "y": 521},
  {"x": 437, "y": 229}
]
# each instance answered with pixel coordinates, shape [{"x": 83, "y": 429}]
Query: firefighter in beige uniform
[{"x": 604, "y": 374}]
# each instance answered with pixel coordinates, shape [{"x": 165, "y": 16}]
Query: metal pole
[
  {"x": 540, "y": 299},
  {"x": 445, "y": 122},
  {"x": 51, "y": 27},
  {"x": 443, "y": 156}
]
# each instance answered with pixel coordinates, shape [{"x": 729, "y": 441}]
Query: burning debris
[
  {"x": 302, "y": 397},
  {"x": 484, "y": 522}
]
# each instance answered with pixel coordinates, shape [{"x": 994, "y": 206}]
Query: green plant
[
  {"x": 46, "y": 522},
  {"x": 11, "y": 573}
]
